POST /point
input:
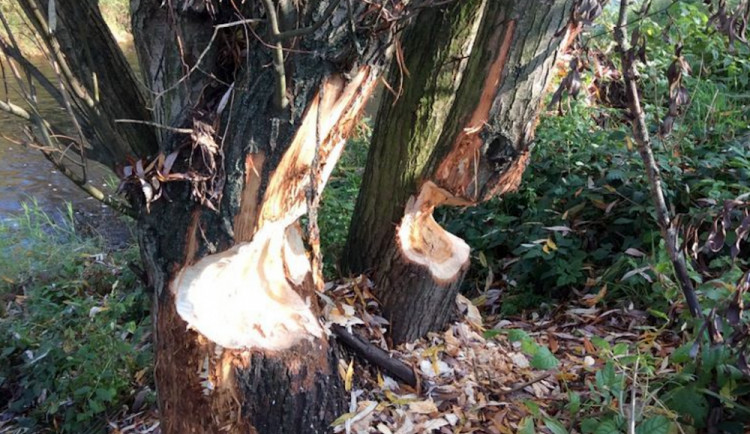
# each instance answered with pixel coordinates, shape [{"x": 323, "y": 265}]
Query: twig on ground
[
  {"x": 376, "y": 355},
  {"x": 525, "y": 384}
]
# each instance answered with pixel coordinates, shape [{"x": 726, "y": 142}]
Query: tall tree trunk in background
[
  {"x": 239, "y": 346},
  {"x": 459, "y": 134},
  {"x": 103, "y": 88}
]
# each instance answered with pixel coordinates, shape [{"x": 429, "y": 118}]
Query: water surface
[{"x": 26, "y": 174}]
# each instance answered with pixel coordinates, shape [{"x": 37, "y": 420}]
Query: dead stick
[
  {"x": 643, "y": 140},
  {"x": 520, "y": 387},
  {"x": 375, "y": 355}
]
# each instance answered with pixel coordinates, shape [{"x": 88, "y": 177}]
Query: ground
[{"x": 485, "y": 373}]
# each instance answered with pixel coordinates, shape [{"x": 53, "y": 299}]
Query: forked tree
[{"x": 227, "y": 140}]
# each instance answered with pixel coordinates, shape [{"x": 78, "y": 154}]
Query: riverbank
[{"x": 75, "y": 329}]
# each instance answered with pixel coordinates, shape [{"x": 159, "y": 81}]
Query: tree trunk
[
  {"x": 459, "y": 134},
  {"x": 239, "y": 344},
  {"x": 103, "y": 88}
]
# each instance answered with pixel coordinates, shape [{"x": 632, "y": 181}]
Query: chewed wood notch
[
  {"x": 254, "y": 295},
  {"x": 423, "y": 241}
]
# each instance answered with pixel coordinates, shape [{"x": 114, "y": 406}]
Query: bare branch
[
  {"x": 37, "y": 18},
  {"x": 155, "y": 125},
  {"x": 92, "y": 191},
  {"x": 376, "y": 355},
  {"x": 13, "y": 51},
  {"x": 15, "y": 110},
  {"x": 643, "y": 141},
  {"x": 277, "y": 36},
  {"x": 278, "y": 56},
  {"x": 49, "y": 153}
]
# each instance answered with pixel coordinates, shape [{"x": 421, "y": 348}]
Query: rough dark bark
[
  {"x": 283, "y": 378},
  {"x": 423, "y": 305},
  {"x": 473, "y": 145}
]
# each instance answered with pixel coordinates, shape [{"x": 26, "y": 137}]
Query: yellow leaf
[
  {"x": 349, "y": 376},
  {"x": 629, "y": 143},
  {"x": 433, "y": 351},
  {"x": 342, "y": 369},
  {"x": 549, "y": 246},
  {"x": 592, "y": 299},
  {"x": 397, "y": 399},
  {"x": 600, "y": 204},
  {"x": 482, "y": 259},
  {"x": 7, "y": 279},
  {"x": 343, "y": 418}
]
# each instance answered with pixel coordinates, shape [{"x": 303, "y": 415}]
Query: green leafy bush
[
  {"x": 582, "y": 217},
  {"x": 74, "y": 326}
]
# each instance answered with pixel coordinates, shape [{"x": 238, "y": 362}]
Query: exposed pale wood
[
  {"x": 424, "y": 242},
  {"x": 458, "y": 170},
  {"x": 244, "y": 221},
  {"x": 244, "y": 297},
  {"x": 342, "y": 104}
]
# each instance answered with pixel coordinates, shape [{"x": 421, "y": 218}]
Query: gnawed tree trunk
[
  {"x": 239, "y": 345},
  {"x": 459, "y": 134}
]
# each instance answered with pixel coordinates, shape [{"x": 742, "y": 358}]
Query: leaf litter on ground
[{"x": 484, "y": 374}]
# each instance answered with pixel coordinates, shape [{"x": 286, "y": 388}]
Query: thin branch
[
  {"x": 631, "y": 23},
  {"x": 239, "y": 23},
  {"x": 192, "y": 69},
  {"x": 155, "y": 125},
  {"x": 30, "y": 69},
  {"x": 92, "y": 191},
  {"x": 65, "y": 170},
  {"x": 305, "y": 30},
  {"x": 38, "y": 20},
  {"x": 519, "y": 387},
  {"x": 643, "y": 141},
  {"x": 277, "y": 36},
  {"x": 15, "y": 110},
  {"x": 278, "y": 56}
]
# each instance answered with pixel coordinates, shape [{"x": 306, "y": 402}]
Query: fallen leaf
[
  {"x": 349, "y": 376},
  {"x": 423, "y": 407}
]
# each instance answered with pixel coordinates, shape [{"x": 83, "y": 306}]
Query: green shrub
[
  {"x": 583, "y": 217},
  {"x": 74, "y": 326}
]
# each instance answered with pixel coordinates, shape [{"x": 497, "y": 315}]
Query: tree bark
[
  {"x": 101, "y": 84},
  {"x": 239, "y": 346},
  {"x": 460, "y": 133}
]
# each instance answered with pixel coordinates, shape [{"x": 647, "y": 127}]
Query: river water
[{"x": 25, "y": 174}]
